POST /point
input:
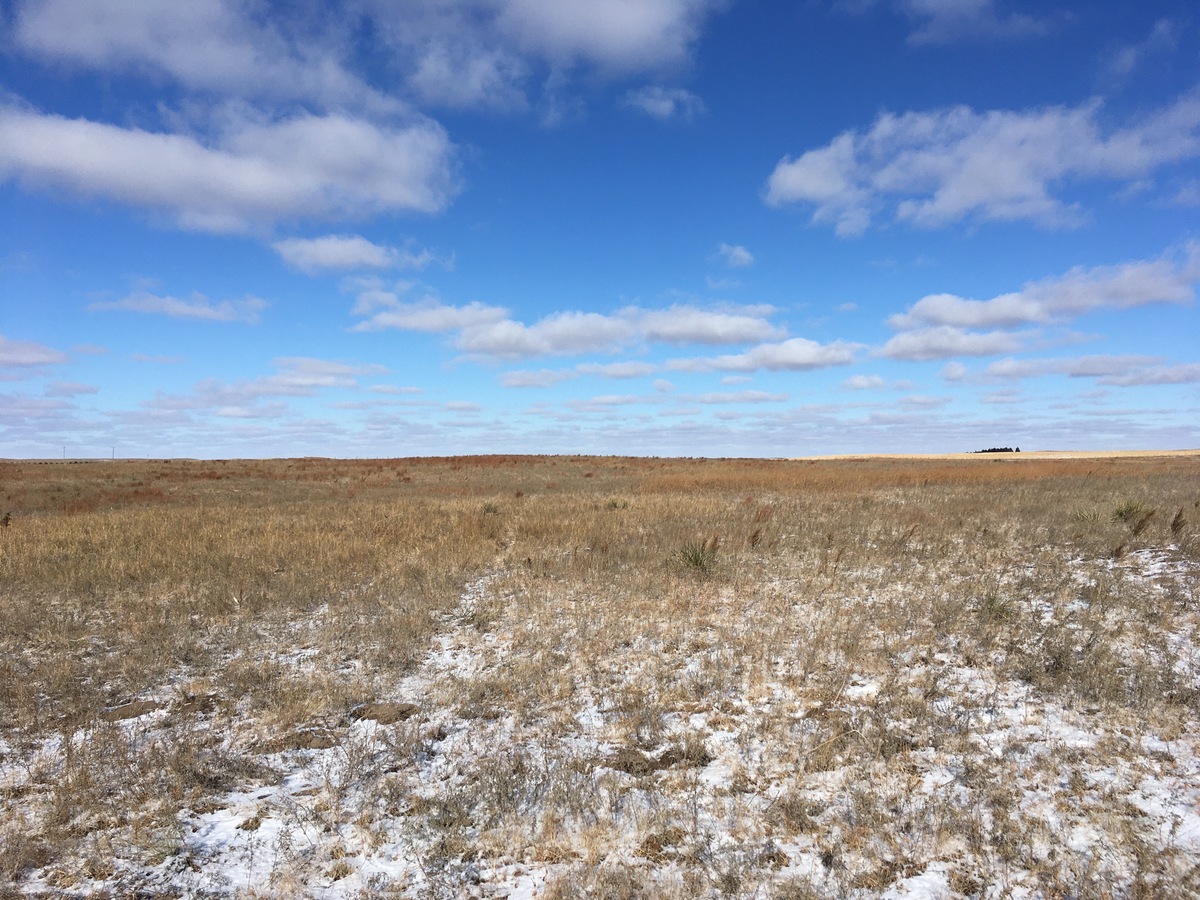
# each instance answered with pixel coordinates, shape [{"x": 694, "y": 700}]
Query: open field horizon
[
  {"x": 966, "y": 454},
  {"x": 956, "y": 676}
]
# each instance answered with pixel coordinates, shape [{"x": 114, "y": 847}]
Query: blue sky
[{"x": 661, "y": 227}]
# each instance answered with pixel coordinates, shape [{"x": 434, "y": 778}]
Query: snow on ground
[{"x": 977, "y": 783}]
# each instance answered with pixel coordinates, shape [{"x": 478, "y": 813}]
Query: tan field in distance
[
  {"x": 582, "y": 676},
  {"x": 1023, "y": 455}
]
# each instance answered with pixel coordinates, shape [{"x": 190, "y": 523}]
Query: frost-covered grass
[{"x": 514, "y": 677}]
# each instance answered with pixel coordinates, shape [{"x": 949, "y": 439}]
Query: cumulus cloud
[
  {"x": 469, "y": 53},
  {"x": 14, "y": 354},
  {"x": 347, "y": 252},
  {"x": 253, "y": 173},
  {"x": 567, "y": 333},
  {"x": 944, "y": 341},
  {"x": 794, "y": 355},
  {"x": 665, "y": 103},
  {"x": 488, "y": 53},
  {"x": 1081, "y": 290},
  {"x": 941, "y": 326},
  {"x": 934, "y": 168},
  {"x": 490, "y": 332},
  {"x": 211, "y": 45},
  {"x": 563, "y": 333},
  {"x": 682, "y": 324},
  {"x": 621, "y": 35}
]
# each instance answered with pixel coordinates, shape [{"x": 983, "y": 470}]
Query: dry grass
[{"x": 619, "y": 677}]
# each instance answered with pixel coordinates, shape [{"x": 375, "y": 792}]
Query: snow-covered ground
[{"x": 555, "y": 745}]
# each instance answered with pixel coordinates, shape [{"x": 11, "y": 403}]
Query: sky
[{"x": 368, "y": 228}]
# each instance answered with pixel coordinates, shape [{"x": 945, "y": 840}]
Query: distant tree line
[{"x": 999, "y": 450}]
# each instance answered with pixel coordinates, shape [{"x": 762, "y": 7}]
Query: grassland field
[{"x": 565, "y": 677}]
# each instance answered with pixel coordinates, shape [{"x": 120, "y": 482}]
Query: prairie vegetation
[{"x": 600, "y": 677}]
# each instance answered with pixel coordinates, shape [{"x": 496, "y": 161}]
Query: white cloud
[
  {"x": 539, "y": 379},
  {"x": 464, "y": 75},
  {"x": 689, "y": 325},
  {"x": 195, "y": 307},
  {"x": 735, "y": 256},
  {"x": 623, "y": 35},
  {"x": 954, "y": 371},
  {"x": 863, "y": 382},
  {"x": 550, "y": 377},
  {"x": 294, "y": 377},
  {"x": 1002, "y": 398},
  {"x": 943, "y": 166},
  {"x": 69, "y": 389},
  {"x": 606, "y": 400},
  {"x": 27, "y": 353},
  {"x": 489, "y": 332},
  {"x": 392, "y": 389},
  {"x": 1097, "y": 366},
  {"x": 254, "y": 173},
  {"x": 428, "y": 316},
  {"x": 560, "y": 334},
  {"x": 922, "y": 401},
  {"x": 301, "y": 376},
  {"x": 1184, "y": 373},
  {"x": 796, "y": 355},
  {"x": 488, "y": 53},
  {"x": 948, "y": 21},
  {"x": 1164, "y": 36},
  {"x": 717, "y": 397},
  {"x": 665, "y": 103},
  {"x": 947, "y": 309},
  {"x": 1081, "y": 290},
  {"x": 630, "y": 369},
  {"x": 1124, "y": 370},
  {"x": 348, "y": 251},
  {"x": 213, "y": 45},
  {"x": 944, "y": 341},
  {"x": 828, "y": 178}
]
